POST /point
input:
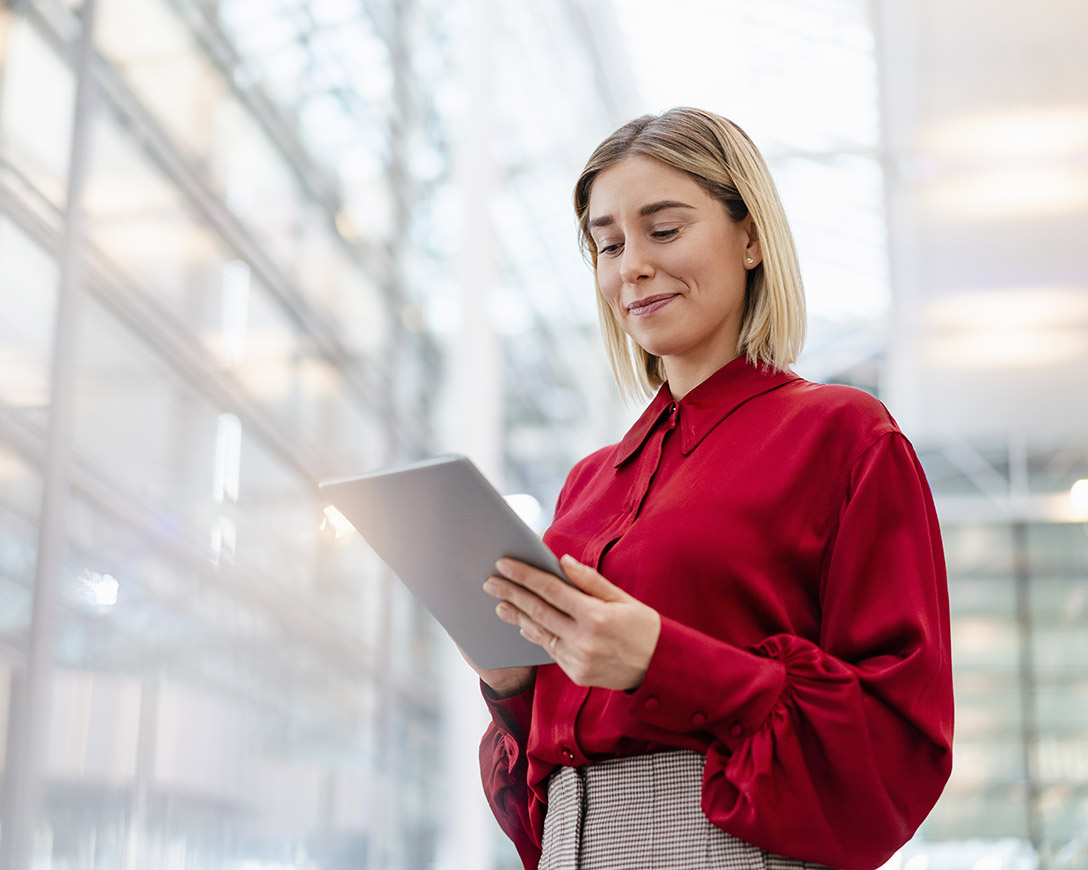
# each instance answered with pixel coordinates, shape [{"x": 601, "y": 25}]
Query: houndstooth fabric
[{"x": 642, "y": 812}]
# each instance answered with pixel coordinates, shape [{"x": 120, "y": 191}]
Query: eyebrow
[{"x": 645, "y": 211}]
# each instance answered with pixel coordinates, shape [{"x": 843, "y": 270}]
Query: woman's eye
[
  {"x": 609, "y": 250},
  {"x": 664, "y": 234}
]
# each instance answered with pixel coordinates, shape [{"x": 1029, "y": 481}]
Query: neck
[{"x": 683, "y": 376}]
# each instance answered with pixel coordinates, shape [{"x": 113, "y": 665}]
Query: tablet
[{"x": 441, "y": 526}]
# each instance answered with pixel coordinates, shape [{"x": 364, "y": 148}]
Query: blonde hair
[{"x": 720, "y": 157}]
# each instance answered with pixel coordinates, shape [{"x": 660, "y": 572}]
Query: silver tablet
[{"x": 441, "y": 526}]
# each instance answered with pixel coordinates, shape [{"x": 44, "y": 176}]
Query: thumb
[{"x": 589, "y": 581}]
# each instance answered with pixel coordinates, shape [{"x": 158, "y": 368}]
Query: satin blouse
[{"x": 785, "y": 532}]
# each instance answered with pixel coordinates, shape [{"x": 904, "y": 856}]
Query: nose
[{"x": 636, "y": 264}]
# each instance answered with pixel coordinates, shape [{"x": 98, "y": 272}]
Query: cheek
[{"x": 609, "y": 283}]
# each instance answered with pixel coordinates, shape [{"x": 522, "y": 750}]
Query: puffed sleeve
[
  {"x": 835, "y": 751},
  {"x": 503, "y": 767}
]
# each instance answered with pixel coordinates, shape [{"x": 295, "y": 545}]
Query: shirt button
[
  {"x": 698, "y": 718},
  {"x": 651, "y": 703},
  {"x": 737, "y": 730},
  {"x": 567, "y": 754}
]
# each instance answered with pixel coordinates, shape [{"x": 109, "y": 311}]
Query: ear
[{"x": 752, "y": 250}]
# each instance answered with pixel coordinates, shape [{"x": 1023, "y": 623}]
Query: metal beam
[{"x": 26, "y": 769}]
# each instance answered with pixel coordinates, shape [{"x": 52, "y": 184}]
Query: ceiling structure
[{"x": 986, "y": 138}]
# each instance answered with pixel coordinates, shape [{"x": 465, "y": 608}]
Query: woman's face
[{"x": 672, "y": 265}]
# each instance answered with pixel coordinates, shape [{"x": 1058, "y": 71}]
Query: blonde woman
[{"x": 752, "y": 660}]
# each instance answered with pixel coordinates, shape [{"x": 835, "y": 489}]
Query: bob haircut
[{"x": 721, "y": 158}]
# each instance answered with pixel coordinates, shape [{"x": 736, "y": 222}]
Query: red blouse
[{"x": 786, "y": 534}]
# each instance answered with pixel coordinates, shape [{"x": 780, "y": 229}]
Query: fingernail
[
  {"x": 490, "y": 586},
  {"x": 503, "y": 566}
]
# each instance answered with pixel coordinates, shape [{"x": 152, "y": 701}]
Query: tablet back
[{"x": 440, "y": 526}]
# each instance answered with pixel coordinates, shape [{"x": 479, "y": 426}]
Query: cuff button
[
  {"x": 651, "y": 703},
  {"x": 698, "y": 718},
  {"x": 737, "y": 730}
]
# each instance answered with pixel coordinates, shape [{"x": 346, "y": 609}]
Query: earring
[{"x": 749, "y": 260}]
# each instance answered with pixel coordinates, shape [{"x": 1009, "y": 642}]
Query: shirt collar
[{"x": 705, "y": 406}]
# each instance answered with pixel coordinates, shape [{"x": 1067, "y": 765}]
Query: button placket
[{"x": 650, "y": 460}]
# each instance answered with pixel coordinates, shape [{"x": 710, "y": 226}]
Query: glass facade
[
  {"x": 244, "y": 221},
  {"x": 1016, "y": 540},
  {"x": 228, "y": 683}
]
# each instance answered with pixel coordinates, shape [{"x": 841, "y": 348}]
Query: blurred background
[{"x": 246, "y": 245}]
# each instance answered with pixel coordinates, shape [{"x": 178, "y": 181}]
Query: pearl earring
[{"x": 749, "y": 260}]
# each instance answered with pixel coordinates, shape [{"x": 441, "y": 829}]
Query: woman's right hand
[{"x": 504, "y": 682}]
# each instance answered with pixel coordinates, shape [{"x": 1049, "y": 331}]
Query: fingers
[
  {"x": 591, "y": 582},
  {"x": 597, "y": 633},
  {"x": 538, "y": 619},
  {"x": 543, "y": 584},
  {"x": 567, "y": 597},
  {"x": 544, "y": 606}
]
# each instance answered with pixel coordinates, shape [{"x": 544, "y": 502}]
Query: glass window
[
  {"x": 988, "y": 710},
  {"x": 835, "y": 205},
  {"x": 148, "y": 44},
  {"x": 985, "y": 644},
  {"x": 137, "y": 421},
  {"x": 1060, "y": 649},
  {"x": 978, "y": 549},
  {"x": 28, "y": 290},
  {"x": 1063, "y": 706},
  {"x": 144, "y": 225},
  {"x": 20, "y": 494},
  {"x": 37, "y": 95}
]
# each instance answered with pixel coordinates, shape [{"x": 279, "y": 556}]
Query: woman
[{"x": 763, "y": 679}]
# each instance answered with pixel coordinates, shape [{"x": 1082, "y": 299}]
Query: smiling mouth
[{"x": 650, "y": 304}]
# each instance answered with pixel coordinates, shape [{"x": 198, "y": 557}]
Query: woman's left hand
[{"x": 597, "y": 633}]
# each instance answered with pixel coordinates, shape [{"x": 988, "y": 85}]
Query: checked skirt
[{"x": 642, "y": 812}]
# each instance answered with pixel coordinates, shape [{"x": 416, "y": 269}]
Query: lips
[{"x": 642, "y": 307}]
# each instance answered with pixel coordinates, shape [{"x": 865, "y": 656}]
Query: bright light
[
  {"x": 1008, "y": 328},
  {"x": 348, "y": 227},
  {"x": 234, "y": 312},
  {"x": 1033, "y": 307},
  {"x": 994, "y": 194},
  {"x": 224, "y": 542},
  {"x": 228, "y": 452},
  {"x": 1078, "y": 495},
  {"x": 97, "y": 590},
  {"x": 1023, "y": 135},
  {"x": 334, "y": 524}
]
